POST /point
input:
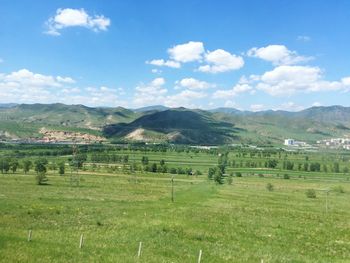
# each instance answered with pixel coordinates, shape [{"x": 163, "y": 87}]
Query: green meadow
[{"x": 241, "y": 222}]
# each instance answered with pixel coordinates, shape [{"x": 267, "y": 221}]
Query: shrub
[
  {"x": 269, "y": 187},
  {"x": 238, "y": 174},
  {"x": 229, "y": 180},
  {"x": 286, "y": 176},
  {"x": 218, "y": 177},
  {"x": 260, "y": 175},
  {"x": 338, "y": 189},
  {"x": 41, "y": 178},
  {"x": 310, "y": 193}
]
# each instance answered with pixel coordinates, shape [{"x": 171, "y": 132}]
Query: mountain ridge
[{"x": 159, "y": 123}]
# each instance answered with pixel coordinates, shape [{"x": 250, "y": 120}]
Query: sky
[{"x": 249, "y": 55}]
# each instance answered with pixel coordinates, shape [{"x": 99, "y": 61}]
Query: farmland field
[{"x": 115, "y": 210}]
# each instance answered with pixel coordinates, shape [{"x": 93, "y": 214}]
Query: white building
[{"x": 288, "y": 142}]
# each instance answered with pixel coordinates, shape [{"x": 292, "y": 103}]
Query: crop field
[{"x": 261, "y": 215}]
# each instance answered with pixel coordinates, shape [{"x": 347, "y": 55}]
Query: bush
[
  {"x": 260, "y": 175},
  {"x": 229, "y": 180},
  {"x": 41, "y": 178},
  {"x": 338, "y": 189},
  {"x": 269, "y": 187},
  {"x": 286, "y": 176},
  {"x": 238, "y": 174},
  {"x": 310, "y": 193}
]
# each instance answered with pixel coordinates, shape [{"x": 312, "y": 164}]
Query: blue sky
[{"x": 251, "y": 55}]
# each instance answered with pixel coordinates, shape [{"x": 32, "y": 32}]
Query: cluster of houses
[{"x": 336, "y": 143}]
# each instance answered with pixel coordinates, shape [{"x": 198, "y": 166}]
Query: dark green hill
[{"x": 176, "y": 125}]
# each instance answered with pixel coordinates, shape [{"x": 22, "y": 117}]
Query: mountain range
[{"x": 178, "y": 125}]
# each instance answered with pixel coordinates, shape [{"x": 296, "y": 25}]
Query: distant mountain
[
  {"x": 226, "y": 110},
  {"x": 151, "y": 108},
  {"x": 7, "y": 105},
  {"x": 174, "y": 125},
  {"x": 158, "y": 123}
]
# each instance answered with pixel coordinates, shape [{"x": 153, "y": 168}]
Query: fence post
[
  {"x": 30, "y": 235},
  {"x": 200, "y": 256},
  {"x": 139, "y": 252},
  {"x": 81, "y": 241}
]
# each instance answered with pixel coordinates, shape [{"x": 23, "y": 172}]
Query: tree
[
  {"x": 211, "y": 173},
  {"x": 336, "y": 168},
  {"x": 27, "y": 164},
  {"x": 40, "y": 168},
  {"x": 218, "y": 176},
  {"x": 144, "y": 160},
  {"x": 61, "y": 168},
  {"x": 229, "y": 180},
  {"x": 5, "y": 165},
  {"x": 14, "y": 165}
]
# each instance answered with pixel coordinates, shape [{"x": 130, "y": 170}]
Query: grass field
[{"x": 242, "y": 222}]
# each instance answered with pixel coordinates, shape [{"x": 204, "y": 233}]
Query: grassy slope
[
  {"x": 238, "y": 223},
  {"x": 26, "y": 120}
]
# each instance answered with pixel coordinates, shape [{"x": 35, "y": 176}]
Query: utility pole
[{"x": 172, "y": 189}]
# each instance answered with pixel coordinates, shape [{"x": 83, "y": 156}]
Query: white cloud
[
  {"x": 193, "y": 84},
  {"x": 150, "y": 94},
  {"x": 287, "y": 80},
  {"x": 25, "y": 77},
  {"x": 277, "y": 54},
  {"x": 156, "y": 71},
  {"x": 304, "y": 38},
  {"x": 236, "y": 90},
  {"x": 257, "y": 107},
  {"x": 221, "y": 61},
  {"x": 316, "y": 104},
  {"x": 289, "y": 106},
  {"x": 188, "y": 52},
  {"x": 230, "y": 104},
  {"x": 65, "y": 79},
  {"x": 162, "y": 62},
  {"x": 154, "y": 93},
  {"x": 346, "y": 81},
  {"x": 24, "y": 86},
  {"x": 184, "y": 99},
  {"x": 69, "y": 17}
]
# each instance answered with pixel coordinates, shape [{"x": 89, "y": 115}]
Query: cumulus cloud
[
  {"x": 193, "y": 84},
  {"x": 257, "y": 107},
  {"x": 151, "y": 93},
  {"x": 69, "y": 17},
  {"x": 188, "y": 52},
  {"x": 24, "y": 86},
  {"x": 278, "y": 55},
  {"x": 154, "y": 92},
  {"x": 221, "y": 61},
  {"x": 287, "y": 106},
  {"x": 236, "y": 90},
  {"x": 287, "y": 80},
  {"x": 166, "y": 63},
  {"x": 184, "y": 99}
]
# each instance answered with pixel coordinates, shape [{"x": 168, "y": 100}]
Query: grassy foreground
[{"x": 242, "y": 222}]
